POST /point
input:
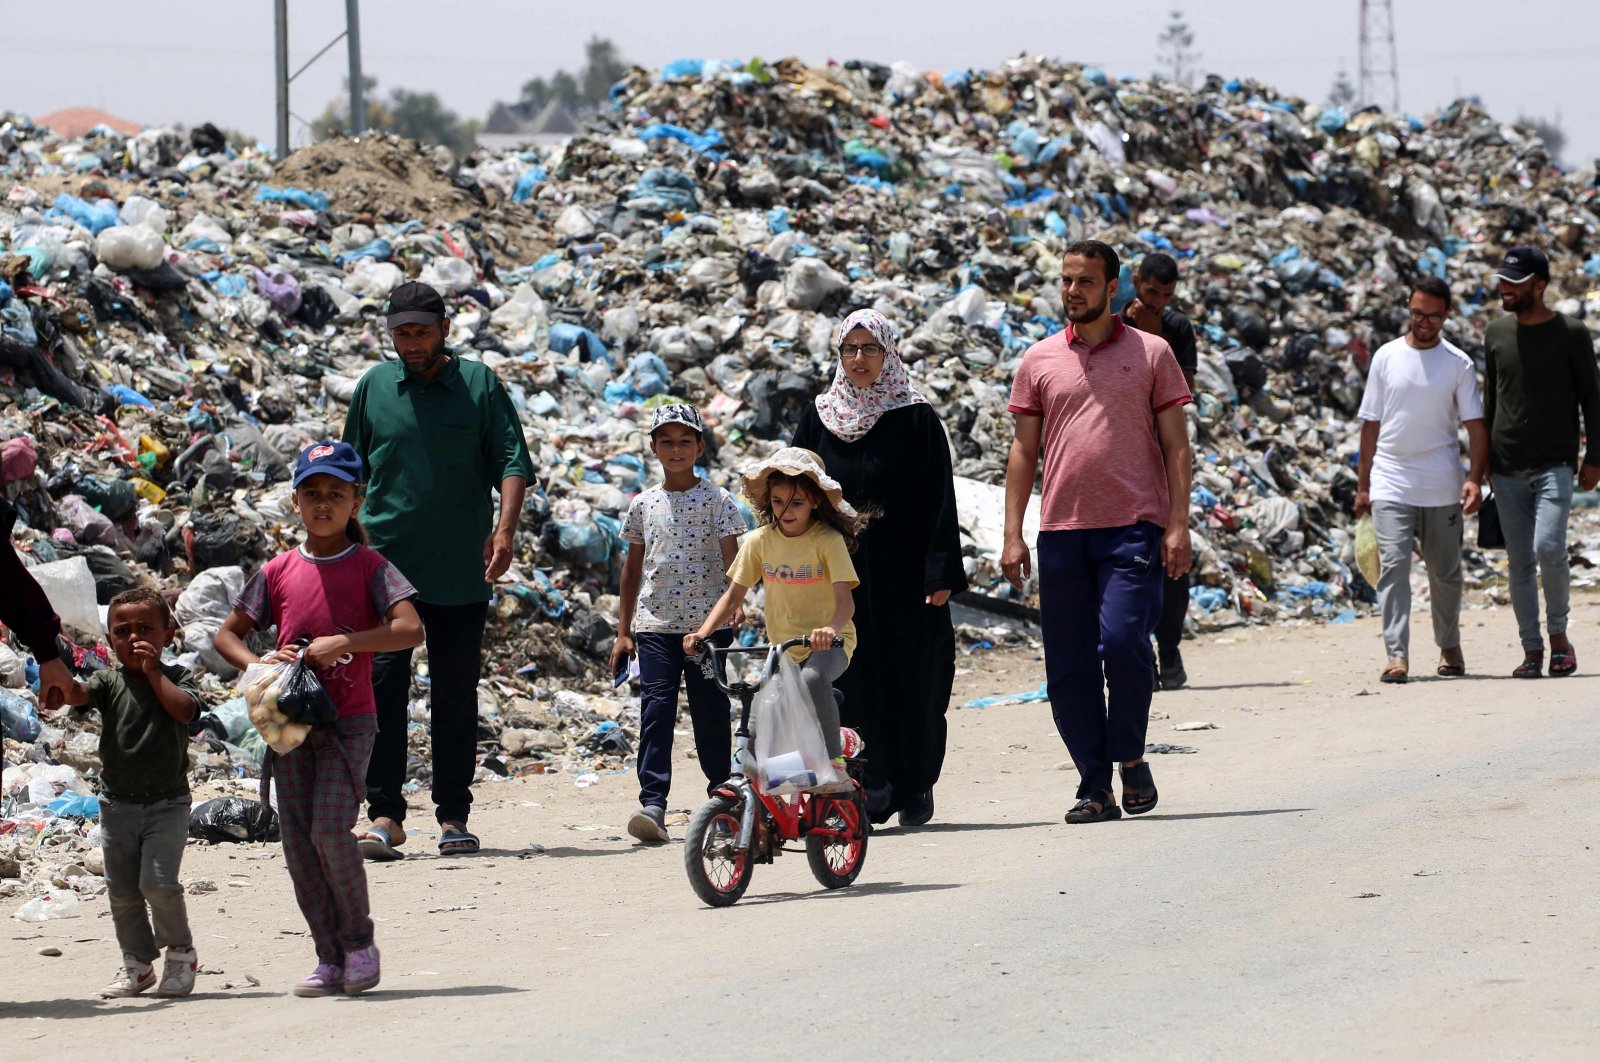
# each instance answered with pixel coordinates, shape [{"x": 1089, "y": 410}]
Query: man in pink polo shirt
[{"x": 1106, "y": 401}]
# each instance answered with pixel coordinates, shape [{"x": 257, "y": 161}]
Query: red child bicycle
[{"x": 742, "y": 825}]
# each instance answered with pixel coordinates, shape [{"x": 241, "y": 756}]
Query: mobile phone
[{"x": 622, "y": 674}]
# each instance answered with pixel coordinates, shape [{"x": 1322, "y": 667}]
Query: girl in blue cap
[{"x": 350, "y": 603}]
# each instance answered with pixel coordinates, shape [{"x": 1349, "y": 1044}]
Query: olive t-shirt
[{"x": 143, "y": 750}]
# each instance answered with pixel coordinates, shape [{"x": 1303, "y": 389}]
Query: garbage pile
[{"x": 178, "y": 318}]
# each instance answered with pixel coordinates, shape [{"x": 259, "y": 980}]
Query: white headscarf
[{"x": 848, "y": 411}]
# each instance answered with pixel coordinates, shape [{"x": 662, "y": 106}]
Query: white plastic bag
[
  {"x": 129, "y": 247},
  {"x": 69, "y": 584},
  {"x": 260, "y": 689},
  {"x": 56, "y": 903},
  {"x": 790, "y": 753}
]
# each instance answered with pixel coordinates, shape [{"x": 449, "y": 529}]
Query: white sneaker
[
  {"x": 133, "y": 978},
  {"x": 177, "y": 974}
]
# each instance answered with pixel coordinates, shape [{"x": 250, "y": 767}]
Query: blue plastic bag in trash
[
  {"x": 564, "y": 336},
  {"x": 704, "y": 143},
  {"x": 76, "y": 805},
  {"x": 531, "y": 178},
  {"x": 19, "y": 718},
  {"x": 378, "y": 250},
  {"x": 317, "y": 201},
  {"x": 96, "y": 216},
  {"x": 127, "y": 396}
]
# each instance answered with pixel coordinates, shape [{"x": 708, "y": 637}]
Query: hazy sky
[{"x": 212, "y": 60}]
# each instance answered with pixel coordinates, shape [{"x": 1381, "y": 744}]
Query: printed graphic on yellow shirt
[{"x": 804, "y": 575}]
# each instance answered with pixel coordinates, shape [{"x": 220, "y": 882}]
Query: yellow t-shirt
[{"x": 799, "y": 574}]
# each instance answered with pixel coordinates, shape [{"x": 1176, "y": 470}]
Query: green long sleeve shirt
[
  {"x": 435, "y": 451},
  {"x": 1537, "y": 380}
]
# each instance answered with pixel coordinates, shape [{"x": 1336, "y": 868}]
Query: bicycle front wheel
[{"x": 718, "y": 873}]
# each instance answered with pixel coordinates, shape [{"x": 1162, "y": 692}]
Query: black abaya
[{"x": 897, "y": 688}]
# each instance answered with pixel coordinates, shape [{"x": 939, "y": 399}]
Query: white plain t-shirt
[{"x": 1420, "y": 398}]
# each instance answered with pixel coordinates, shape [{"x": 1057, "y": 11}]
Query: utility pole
[
  {"x": 1377, "y": 29},
  {"x": 358, "y": 88},
  {"x": 280, "y": 26},
  {"x": 283, "y": 79}
]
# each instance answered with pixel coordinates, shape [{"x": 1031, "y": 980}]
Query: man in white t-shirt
[{"x": 1421, "y": 390}]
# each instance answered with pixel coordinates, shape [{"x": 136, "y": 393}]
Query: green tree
[
  {"x": 421, "y": 116},
  {"x": 1550, "y": 131},
  {"x": 1343, "y": 93},
  {"x": 1175, "y": 54},
  {"x": 586, "y": 89}
]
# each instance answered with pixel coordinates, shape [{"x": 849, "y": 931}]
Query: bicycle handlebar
[{"x": 708, "y": 659}]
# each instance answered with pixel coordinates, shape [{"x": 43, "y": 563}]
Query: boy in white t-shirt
[
  {"x": 682, "y": 537},
  {"x": 1421, "y": 390}
]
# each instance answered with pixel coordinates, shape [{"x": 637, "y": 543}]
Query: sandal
[
  {"x": 1451, "y": 663},
  {"x": 1138, "y": 789},
  {"x": 453, "y": 840},
  {"x": 376, "y": 847},
  {"x": 1563, "y": 662},
  {"x": 1397, "y": 671},
  {"x": 1099, "y": 806},
  {"x": 1532, "y": 666}
]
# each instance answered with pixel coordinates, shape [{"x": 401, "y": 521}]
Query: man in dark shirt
[
  {"x": 1539, "y": 375},
  {"x": 1151, "y": 311}
]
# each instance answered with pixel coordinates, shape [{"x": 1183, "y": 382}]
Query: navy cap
[
  {"x": 336, "y": 459},
  {"x": 1522, "y": 263},
  {"x": 413, "y": 303}
]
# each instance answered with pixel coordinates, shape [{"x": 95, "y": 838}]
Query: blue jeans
[
  {"x": 1533, "y": 514},
  {"x": 661, "y": 663},
  {"x": 1100, "y": 594}
]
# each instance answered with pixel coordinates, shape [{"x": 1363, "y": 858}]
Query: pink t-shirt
[
  {"x": 1102, "y": 455},
  {"x": 308, "y": 597}
]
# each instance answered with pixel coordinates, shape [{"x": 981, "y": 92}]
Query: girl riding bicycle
[{"x": 801, "y": 556}]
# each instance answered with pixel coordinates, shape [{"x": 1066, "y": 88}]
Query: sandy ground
[{"x": 1342, "y": 869}]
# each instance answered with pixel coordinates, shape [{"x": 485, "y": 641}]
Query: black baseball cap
[
  {"x": 413, "y": 303},
  {"x": 1522, "y": 263}
]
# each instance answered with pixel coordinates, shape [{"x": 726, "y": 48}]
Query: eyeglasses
[
  {"x": 1428, "y": 318},
  {"x": 865, "y": 350}
]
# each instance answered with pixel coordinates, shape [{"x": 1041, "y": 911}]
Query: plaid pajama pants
[{"x": 320, "y": 786}]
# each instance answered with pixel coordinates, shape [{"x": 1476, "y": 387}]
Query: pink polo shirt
[{"x": 1102, "y": 455}]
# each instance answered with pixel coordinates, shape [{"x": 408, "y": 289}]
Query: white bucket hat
[{"x": 794, "y": 461}]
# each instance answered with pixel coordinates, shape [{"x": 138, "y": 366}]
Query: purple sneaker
[
  {"x": 325, "y": 980},
  {"x": 361, "y": 970}
]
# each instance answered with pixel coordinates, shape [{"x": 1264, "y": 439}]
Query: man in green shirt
[
  {"x": 1539, "y": 374},
  {"x": 437, "y": 435}
]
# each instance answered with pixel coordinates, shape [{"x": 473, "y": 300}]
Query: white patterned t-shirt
[{"x": 682, "y": 533}]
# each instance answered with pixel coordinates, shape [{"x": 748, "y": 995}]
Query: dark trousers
[
  {"x": 1099, "y": 595},
  {"x": 1174, "y": 607},
  {"x": 661, "y": 663},
  {"x": 454, "y": 635}
]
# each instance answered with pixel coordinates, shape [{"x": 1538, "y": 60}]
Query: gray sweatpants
[
  {"x": 818, "y": 673},
  {"x": 1436, "y": 534},
  {"x": 143, "y": 846}
]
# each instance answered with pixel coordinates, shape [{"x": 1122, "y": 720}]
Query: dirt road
[{"x": 1342, "y": 869}]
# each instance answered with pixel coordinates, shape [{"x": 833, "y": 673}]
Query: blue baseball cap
[{"x": 336, "y": 459}]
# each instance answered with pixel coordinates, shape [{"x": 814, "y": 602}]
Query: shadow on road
[
  {"x": 1158, "y": 816},
  {"x": 569, "y": 853},
  {"x": 954, "y": 827},
  {"x": 384, "y": 995},
  {"x": 871, "y": 888},
  {"x": 1233, "y": 686},
  {"x": 94, "y": 1007}
]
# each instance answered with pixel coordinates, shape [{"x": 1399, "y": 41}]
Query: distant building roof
[{"x": 77, "y": 121}]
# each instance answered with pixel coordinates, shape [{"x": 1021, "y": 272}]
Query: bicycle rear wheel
[
  {"x": 718, "y": 874},
  {"x": 836, "y": 861}
]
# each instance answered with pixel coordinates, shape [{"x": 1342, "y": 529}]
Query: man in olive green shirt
[{"x": 437, "y": 435}]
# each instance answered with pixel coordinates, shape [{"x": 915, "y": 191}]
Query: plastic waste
[
  {"x": 69, "y": 584},
  {"x": 235, "y": 820},
  {"x": 129, "y": 247},
  {"x": 791, "y": 754},
  {"x": 54, "y": 904},
  {"x": 19, "y": 717}
]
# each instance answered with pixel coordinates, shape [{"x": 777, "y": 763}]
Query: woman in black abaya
[{"x": 883, "y": 442}]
